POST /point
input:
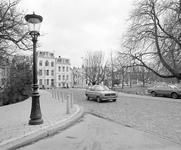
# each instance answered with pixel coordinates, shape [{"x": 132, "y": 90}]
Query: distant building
[
  {"x": 3, "y": 75},
  {"x": 53, "y": 72},
  {"x": 4, "y": 70},
  {"x": 63, "y": 72},
  {"x": 79, "y": 77}
]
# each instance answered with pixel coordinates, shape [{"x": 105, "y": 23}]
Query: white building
[
  {"x": 79, "y": 77},
  {"x": 62, "y": 72},
  {"x": 53, "y": 72}
]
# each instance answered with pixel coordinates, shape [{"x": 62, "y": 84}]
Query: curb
[
  {"x": 165, "y": 99},
  {"x": 44, "y": 132}
]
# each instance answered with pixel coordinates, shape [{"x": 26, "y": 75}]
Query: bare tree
[
  {"x": 94, "y": 66},
  {"x": 13, "y": 32},
  {"x": 112, "y": 70},
  {"x": 153, "y": 37},
  {"x": 112, "y": 63},
  {"x": 124, "y": 64}
]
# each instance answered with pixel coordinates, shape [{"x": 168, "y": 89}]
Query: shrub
[{"x": 18, "y": 85}]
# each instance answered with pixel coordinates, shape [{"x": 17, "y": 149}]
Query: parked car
[
  {"x": 173, "y": 91},
  {"x": 100, "y": 93}
]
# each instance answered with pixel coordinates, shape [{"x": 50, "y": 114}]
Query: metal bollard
[
  {"x": 55, "y": 94},
  {"x": 52, "y": 92},
  {"x": 62, "y": 96},
  {"x": 58, "y": 94},
  {"x": 68, "y": 104},
  {"x": 71, "y": 101}
]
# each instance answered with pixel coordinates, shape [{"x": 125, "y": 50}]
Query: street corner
[
  {"x": 45, "y": 131},
  {"x": 63, "y": 124}
]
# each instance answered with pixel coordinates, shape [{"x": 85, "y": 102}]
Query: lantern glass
[
  {"x": 34, "y": 26},
  {"x": 34, "y": 22}
]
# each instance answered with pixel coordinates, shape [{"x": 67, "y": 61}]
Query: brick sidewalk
[{"x": 15, "y": 117}]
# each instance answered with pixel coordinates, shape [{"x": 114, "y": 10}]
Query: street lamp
[{"x": 34, "y": 22}]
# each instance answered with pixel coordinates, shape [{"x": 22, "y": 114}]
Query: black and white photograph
[{"x": 90, "y": 75}]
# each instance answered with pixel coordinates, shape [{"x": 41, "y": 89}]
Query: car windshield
[{"x": 102, "y": 88}]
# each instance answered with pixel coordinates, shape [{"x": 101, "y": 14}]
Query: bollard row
[{"x": 56, "y": 93}]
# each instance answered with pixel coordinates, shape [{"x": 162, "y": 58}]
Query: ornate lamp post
[{"x": 34, "y": 22}]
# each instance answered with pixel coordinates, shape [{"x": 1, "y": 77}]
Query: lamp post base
[
  {"x": 36, "y": 122},
  {"x": 35, "y": 117}
]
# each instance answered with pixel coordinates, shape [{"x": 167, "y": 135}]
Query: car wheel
[
  {"x": 87, "y": 97},
  {"x": 174, "y": 95},
  {"x": 114, "y": 100},
  {"x": 153, "y": 94},
  {"x": 98, "y": 99}
]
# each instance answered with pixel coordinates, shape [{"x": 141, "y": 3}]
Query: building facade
[
  {"x": 52, "y": 71},
  {"x": 63, "y": 72},
  {"x": 4, "y": 72},
  {"x": 79, "y": 77},
  {"x": 3, "y": 75}
]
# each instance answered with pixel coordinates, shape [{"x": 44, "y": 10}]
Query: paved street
[
  {"x": 160, "y": 116},
  {"x": 94, "y": 133}
]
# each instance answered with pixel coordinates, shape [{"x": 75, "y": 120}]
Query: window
[
  {"x": 67, "y": 77},
  {"x": 59, "y": 68},
  {"x": 47, "y": 72},
  {"x": 52, "y": 63},
  {"x": 40, "y": 63},
  {"x": 52, "y": 82},
  {"x": 46, "y": 63},
  {"x": 63, "y": 69},
  {"x": 47, "y": 81},
  {"x": 59, "y": 77},
  {"x": 40, "y": 81},
  {"x": 40, "y": 72},
  {"x": 90, "y": 88},
  {"x": 52, "y": 72},
  {"x": 63, "y": 77},
  {"x": 67, "y": 69}
]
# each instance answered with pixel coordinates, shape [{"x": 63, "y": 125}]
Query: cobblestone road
[{"x": 160, "y": 116}]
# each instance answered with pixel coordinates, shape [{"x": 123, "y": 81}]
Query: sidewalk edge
[{"x": 44, "y": 132}]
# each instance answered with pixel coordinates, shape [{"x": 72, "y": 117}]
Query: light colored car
[
  {"x": 100, "y": 93},
  {"x": 173, "y": 91}
]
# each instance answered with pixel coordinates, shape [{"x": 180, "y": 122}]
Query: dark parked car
[
  {"x": 100, "y": 93},
  {"x": 173, "y": 91}
]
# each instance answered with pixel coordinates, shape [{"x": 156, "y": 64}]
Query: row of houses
[{"x": 53, "y": 72}]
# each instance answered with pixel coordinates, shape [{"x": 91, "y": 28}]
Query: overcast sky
[{"x": 73, "y": 27}]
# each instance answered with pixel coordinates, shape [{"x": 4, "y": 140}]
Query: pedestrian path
[{"x": 14, "y": 118}]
